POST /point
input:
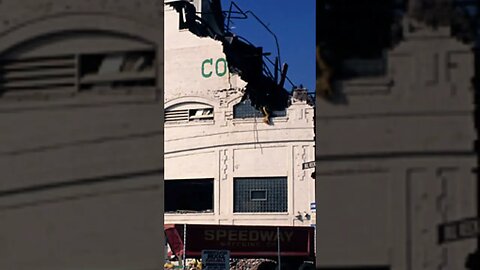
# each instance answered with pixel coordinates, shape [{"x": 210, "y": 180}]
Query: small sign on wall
[
  {"x": 308, "y": 165},
  {"x": 458, "y": 230},
  {"x": 215, "y": 259}
]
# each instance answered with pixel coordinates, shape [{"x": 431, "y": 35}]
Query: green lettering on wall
[
  {"x": 221, "y": 60},
  {"x": 206, "y": 75},
  {"x": 221, "y": 67}
]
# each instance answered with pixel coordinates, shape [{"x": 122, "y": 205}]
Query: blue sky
[{"x": 293, "y": 22}]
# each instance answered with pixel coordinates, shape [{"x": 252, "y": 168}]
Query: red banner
[{"x": 248, "y": 241}]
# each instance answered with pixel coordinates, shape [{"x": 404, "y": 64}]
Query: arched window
[
  {"x": 75, "y": 62},
  {"x": 189, "y": 112}
]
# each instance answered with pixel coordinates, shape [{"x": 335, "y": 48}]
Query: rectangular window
[
  {"x": 127, "y": 69},
  {"x": 201, "y": 114},
  {"x": 191, "y": 195},
  {"x": 260, "y": 195}
]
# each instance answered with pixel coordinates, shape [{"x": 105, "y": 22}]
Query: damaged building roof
[{"x": 264, "y": 88}]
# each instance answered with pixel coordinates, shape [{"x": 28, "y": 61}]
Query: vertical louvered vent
[{"x": 40, "y": 73}]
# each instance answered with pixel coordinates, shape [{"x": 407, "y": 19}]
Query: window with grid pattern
[
  {"x": 260, "y": 195},
  {"x": 245, "y": 109}
]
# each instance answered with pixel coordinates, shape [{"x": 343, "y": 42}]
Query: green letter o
[{"x": 220, "y": 74}]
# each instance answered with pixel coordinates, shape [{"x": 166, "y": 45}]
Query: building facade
[
  {"x": 397, "y": 157},
  {"x": 223, "y": 163}
]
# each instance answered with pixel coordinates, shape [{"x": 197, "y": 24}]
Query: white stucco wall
[
  {"x": 184, "y": 55},
  {"x": 226, "y": 148}
]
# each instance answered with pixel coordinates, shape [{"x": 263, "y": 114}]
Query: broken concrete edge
[{"x": 244, "y": 59}]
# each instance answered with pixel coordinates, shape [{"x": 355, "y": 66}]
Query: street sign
[
  {"x": 308, "y": 165},
  {"x": 215, "y": 259},
  {"x": 458, "y": 230}
]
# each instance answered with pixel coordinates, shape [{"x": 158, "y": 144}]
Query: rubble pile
[{"x": 252, "y": 264}]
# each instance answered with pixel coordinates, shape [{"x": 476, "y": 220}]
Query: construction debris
[
  {"x": 252, "y": 264},
  {"x": 265, "y": 92}
]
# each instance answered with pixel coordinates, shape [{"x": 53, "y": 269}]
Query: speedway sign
[{"x": 244, "y": 241}]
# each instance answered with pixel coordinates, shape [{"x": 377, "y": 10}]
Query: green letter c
[{"x": 206, "y": 75}]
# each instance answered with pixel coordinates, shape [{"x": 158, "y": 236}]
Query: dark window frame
[
  {"x": 265, "y": 191},
  {"x": 90, "y": 76},
  {"x": 187, "y": 194},
  {"x": 276, "y": 190}
]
